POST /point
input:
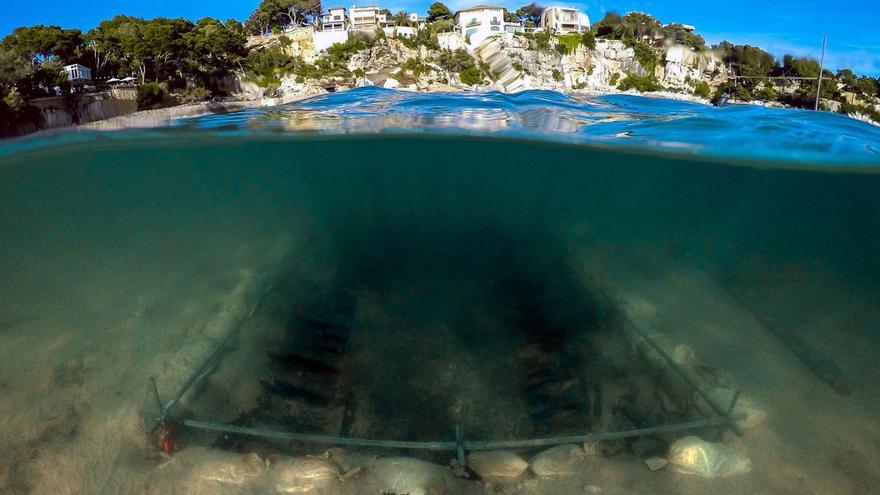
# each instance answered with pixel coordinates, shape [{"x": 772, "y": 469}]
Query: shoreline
[{"x": 162, "y": 116}]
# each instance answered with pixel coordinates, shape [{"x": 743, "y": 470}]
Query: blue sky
[{"x": 783, "y": 26}]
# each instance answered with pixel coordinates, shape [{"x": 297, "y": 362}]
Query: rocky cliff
[{"x": 514, "y": 63}]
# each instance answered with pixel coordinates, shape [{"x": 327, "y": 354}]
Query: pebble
[
  {"x": 407, "y": 475},
  {"x": 305, "y": 475},
  {"x": 497, "y": 466},
  {"x": 231, "y": 469},
  {"x": 563, "y": 460},
  {"x": 656, "y": 463}
]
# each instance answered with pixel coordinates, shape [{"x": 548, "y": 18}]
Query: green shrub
[
  {"x": 197, "y": 93},
  {"x": 639, "y": 83},
  {"x": 455, "y": 61},
  {"x": 424, "y": 38},
  {"x": 411, "y": 70},
  {"x": 848, "y": 108},
  {"x": 557, "y": 75},
  {"x": 542, "y": 40},
  {"x": 589, "y": 40},
  {"x": 614, "y": 78},
  {"x": 567, "y": 43},
  {"x": 701, "y": 89},
  {"x": 645, "y": 56},
  {"x": 488, "y": 72},
  {"x": 152, "y": 95},
  {"x": 441, "y": 26},
  {"x": 766, "y": 93},
  {"x": 471, "y": 76}
]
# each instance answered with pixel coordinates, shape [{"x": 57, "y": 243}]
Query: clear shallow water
[{"x": 126, "y": 255}]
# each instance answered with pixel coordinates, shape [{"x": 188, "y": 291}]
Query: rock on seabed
[
  {"x": 497, "y": 466},
  {"x": 564, "y": 460}
]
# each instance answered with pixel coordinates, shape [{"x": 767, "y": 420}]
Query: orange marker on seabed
[{"x": 166, "y": 441}]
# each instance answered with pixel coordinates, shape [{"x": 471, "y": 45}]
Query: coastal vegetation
[{"x": 178, "y": 60}]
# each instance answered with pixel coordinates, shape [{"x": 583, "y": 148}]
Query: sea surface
[{"x": 749, "y": 235}]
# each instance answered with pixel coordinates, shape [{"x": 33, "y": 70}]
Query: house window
[
  {"x": 495, "y": 28},
  {"x": 470, "y": 32}
]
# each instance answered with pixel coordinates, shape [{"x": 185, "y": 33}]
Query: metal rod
[
  {"x": 327, "y": 439},
  {"x": 594, "y": 437},
  {"x": 452, "y": 446},
  {"x": 202, "y": 370},
  {"x": 732, "y": 405},
  {"x": 459, "y": 445},
  {"x": 684, "y": 375},
  {"x": 156, "y": 395},
  {"x": 821, "y": 68}
]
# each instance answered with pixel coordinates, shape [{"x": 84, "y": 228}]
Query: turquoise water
[{"x": 749, "y": 235}]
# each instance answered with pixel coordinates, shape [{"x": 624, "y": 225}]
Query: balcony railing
[
  {"x": 473, "y": 23},
  {"x": 495, "y": 22}
]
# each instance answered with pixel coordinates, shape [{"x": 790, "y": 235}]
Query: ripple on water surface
[{"x": 742, "y": 132}]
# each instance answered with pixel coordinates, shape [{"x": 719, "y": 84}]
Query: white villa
[
  {"x": 77, "y": 73},
  {"x": 480, "y": 22},
  {"x": 366, "y": 18},
  {"x": 334, "y": 19},
  {"x": 472, "y": 25},
  {"x": 332, "y": 29},
  {"x": 420, "y": 22},
  {"x": 563, "y": 20},
  {"x": 687, "y": 27}
]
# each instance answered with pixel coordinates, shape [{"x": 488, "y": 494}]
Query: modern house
[
  {"x": 334, "y": 19},
  {"x": 418, "y": 22},
  {"x": 332, "y": 29},
  {"x": 366, "y": 18},
  {"x": 687, "y": 27},
  {"x": 77, "y": 73},
  {"x": 563, "y": 20},
  {"x": 479, "y": 22}
]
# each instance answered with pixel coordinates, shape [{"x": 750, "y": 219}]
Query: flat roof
[{"x": 481, "y": 7}]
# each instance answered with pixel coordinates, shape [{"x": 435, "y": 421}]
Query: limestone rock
[
  {"x": 305, "y": 475},
  {"x": 752, "y": 414},
  {"x": 406, "y": 475},
  {"x": 563, "y": 460},
  {"x": 230, "y": 468},
  {"x": 691, "y": 455},
  {"x": 497, "y": 466},
  {"x": 656, "y": 463}
]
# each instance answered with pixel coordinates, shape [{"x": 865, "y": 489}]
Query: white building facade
[
  {"x": 78, "y": 73},
  {"x": 564, "y": 20},
  {"x": 366, "y": 18},
  {"x": 480, "y": 22},
  {"x": 334, "y": 19}
]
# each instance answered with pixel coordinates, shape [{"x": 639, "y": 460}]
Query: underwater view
[{"x": 376, "y": 291}]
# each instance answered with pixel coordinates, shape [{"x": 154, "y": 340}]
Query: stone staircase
[{"x": 510, "y": 80}]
